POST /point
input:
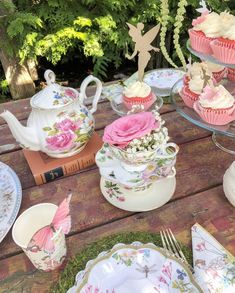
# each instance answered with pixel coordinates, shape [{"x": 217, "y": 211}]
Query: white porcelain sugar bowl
[{"x": 59, "y": 124}]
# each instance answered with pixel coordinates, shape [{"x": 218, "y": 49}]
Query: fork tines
[{"x": 171, "y": 244}]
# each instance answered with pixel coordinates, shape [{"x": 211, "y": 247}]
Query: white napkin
[{"x": 214, "y": 266}]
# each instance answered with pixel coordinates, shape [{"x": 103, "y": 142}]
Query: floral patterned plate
[
  {"x": 137, "y": 268},
  {"x": 10, "y": 198}
]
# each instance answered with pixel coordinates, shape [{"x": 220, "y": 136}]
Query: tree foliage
[{"x": 95, "y": 29}]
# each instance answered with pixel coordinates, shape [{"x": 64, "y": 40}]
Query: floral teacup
[{"x": 162, "y": 155}]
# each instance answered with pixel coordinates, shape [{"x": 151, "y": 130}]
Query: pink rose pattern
[
  {"x": 123, "y": 130},
  {"x": 61, "y": 142},
  {"x": 64, "y": 135},
  {"x": 67, "y": 124}
]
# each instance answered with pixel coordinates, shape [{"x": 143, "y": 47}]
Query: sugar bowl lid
[{"x": 53, "y": 96}]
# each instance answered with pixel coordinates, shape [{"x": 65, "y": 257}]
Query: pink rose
[
  {"x": 61, "y": 142},
  {"x": 68, "y": 124},
  {"x": 123, "y": 130},
  {"x": 70, "y": 93}
]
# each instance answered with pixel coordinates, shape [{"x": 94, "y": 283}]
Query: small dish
[
  {"x": 163, "y": 80},
  {"x": 135, "y": 268},
  {"x": 10, "y": 198}
]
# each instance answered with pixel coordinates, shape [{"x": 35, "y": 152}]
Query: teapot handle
[{"x": 83, "y": 87}]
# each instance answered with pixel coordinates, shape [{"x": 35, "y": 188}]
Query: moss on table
[{"x": 78, "y": 263}]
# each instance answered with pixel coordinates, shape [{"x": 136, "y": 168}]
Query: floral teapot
[{"x": 59, "y": 125}]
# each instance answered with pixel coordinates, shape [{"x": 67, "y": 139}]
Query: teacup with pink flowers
[{"x": 140, "y": 138}]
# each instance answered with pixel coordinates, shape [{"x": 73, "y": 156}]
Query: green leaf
[{"x": 47, "y": 128}]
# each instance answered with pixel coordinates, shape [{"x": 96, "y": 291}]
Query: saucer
[
  {"x": 115, "y": 170},
  {"x": 139, "y": 199}
]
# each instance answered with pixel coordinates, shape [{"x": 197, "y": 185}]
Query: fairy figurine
[{"x": 142, "y": 45}]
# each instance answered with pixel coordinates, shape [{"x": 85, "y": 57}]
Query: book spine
[{"x": 65, "y": 170}]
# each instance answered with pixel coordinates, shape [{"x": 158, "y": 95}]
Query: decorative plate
[
  {"x": 113, "y": 169},
  {"x": 141, "y": 198},
  {"x": 10, "y": 198},
  {"x": 137, "y": 268}
]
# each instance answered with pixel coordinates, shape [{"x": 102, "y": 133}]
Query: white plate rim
[{"x": 18, "y": 189}]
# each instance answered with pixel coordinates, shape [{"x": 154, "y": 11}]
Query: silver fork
[{"x": 170, "y": 244}]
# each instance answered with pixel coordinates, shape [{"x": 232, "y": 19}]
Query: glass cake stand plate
[
  {"x": 118, "y": 106},
  {"x": 188, "y": 113},
  {"x": 209, "y": 58},
  {"x": 135, "y": 268}
]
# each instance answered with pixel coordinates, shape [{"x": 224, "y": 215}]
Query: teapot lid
[{"x": 53, "y": 96}]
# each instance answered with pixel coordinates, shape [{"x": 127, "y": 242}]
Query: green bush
[{"x": 95, "y": 29}]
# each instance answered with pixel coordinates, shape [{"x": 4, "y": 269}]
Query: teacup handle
[
  {"x": 83, "y": 87},
  {"x": 170, "y": 144}
]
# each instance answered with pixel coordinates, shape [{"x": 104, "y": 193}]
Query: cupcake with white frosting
[
  {"x": 205, "y": 29},
  {"x": 138, "y": 93},
  {"x": 196, "y": 78},
  {"x": 215, "y": 105},
  {"x": 218, "y": 71},
  {"x": 224, "y": 47}
]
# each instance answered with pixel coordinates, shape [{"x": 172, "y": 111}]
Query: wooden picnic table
[{"x": 199, "y": 197}]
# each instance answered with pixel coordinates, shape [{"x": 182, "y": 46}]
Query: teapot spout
[{"x": 26, "y": 136}]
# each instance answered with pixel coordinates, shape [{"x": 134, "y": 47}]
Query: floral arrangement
[{"x": 139, "y": 132}]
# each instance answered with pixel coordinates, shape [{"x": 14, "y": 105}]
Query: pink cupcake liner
[
  {"x": 215, "y": 116},
  {"x": 218, "y": 76},
  {"x": 188, "y": 97},
  {"x": 222, "y": 52},
  {"x": 146, "y": 102},
  {"x": 231, "y": 74},
  {"x": 199, "y": 42},
  {"x": 186, "y": 79}
]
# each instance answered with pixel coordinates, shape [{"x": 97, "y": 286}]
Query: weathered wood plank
[
  {"x": 209, "y": 208},
  {"x": 196, "y": 171}
]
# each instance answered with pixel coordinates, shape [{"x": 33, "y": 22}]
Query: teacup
[
  {"x": 139, "y": 159},
  {"x": 27, "y": 224}
]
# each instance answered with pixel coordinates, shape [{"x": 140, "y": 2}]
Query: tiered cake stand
[{"x": 221, "y": 135}]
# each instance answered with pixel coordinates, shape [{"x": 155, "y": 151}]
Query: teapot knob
[{"x": 49, "y": 76}]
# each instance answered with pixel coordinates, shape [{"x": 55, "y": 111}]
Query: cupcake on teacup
[
  {"x": 138, "y": 93},
  {"x": 215, "y": 105}
]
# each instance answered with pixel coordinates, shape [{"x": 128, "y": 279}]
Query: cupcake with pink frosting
[
  {"x": 215, "y": 105},
  {"x": 138, "y": 93}
]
